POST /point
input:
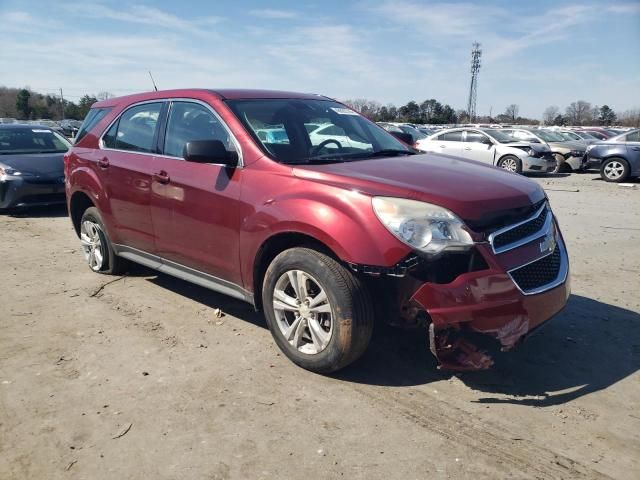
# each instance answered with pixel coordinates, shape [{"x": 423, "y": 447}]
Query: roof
[
  {"x": 223, "y": 94},
  {"x": 23, "y": 126}
]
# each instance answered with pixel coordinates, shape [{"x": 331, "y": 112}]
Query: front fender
[{"x": 342, "y": 220}]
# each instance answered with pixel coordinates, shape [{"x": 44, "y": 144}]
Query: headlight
[
  {"x": 590, "y": 147},
  {"x": 532, "y": 153},
  {"x": 576, "y": 153},
  {"x": 8, "y": 171},
  {"x": 423, "y": 226}
]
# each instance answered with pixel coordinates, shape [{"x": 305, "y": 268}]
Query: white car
[
  {"x": 335, "y": 138},
  {"x": 491, "y": 146}
]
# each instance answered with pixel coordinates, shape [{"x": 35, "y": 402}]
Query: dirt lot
[{"x": 135, "y": 377}]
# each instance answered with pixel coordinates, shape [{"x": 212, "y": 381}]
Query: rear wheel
[
  {"x": 614, "y": 170},
  {"x": 319, "y": 313},
  {"x": 511, "y": 163},
  {"x": 96, "y": 245}
]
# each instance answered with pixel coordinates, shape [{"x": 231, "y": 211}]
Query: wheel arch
[
  {"x": 275, "y": 245},
  {"x": 78, "y": 204}
]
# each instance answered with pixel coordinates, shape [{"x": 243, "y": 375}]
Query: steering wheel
[{"x": 319, "y": 147}]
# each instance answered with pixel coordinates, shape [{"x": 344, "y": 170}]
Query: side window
[
  {"x": 475, "y": 137},
  {"x": 633, "y": 137},
  {"x": 91, "y": 120},
  {"x": 331, "y": 130},
  {"x": 452, "y": 137},
  {"x": 191, "y": 121},
  {"x": 135, "y": 129}
]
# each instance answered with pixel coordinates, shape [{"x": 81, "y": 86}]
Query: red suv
[{"x": 231, "y": 190}]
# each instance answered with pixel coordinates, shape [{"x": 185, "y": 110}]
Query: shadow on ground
[
  {"x": 588, "y": 347},
  {"x": 48, "y": 211}
]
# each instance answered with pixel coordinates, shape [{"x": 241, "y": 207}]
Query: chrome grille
[
  {"x": 543, "y": 274},
  {"x": 523, "y": 232}
]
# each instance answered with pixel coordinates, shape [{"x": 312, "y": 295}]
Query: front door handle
[
  {"x": 161, "y": 177},
  {"x": 103, "y": 162},
  {"x": 467, "y": 148},
  {"x": 635, "y": 148},
  {"x": 443, "y": 146}
]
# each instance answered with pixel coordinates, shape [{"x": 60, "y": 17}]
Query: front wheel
[
  {"x": 614, "y": 170},
  {"x": 511, "y": 163},
  {"x": 318, "y": 312}
]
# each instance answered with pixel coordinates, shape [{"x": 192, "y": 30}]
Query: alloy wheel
[
  {"x": 303, "y": 312},
  {"x": 510, "y": 164},
  {"x": 614, "y": 170},
  {"x": 92, "y": 245}
]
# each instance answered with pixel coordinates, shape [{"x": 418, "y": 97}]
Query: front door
[
  {"x": 479, "y": 147},
  {"x": 125, "y": 163},
  {"x": 194, "y": 206}
]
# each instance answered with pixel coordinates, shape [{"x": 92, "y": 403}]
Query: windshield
[
  {"x": 549, "y": 136},
  {"x": 417, "y": 134},
  {"x": 500, "y": 136},
  {"x": 281, "y": 127},
  {"x": 31, "y": 140}
]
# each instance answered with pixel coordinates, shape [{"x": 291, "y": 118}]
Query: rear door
[
  {"x": 195, "y": 206},
  {"x": 478, "y": 146},
  {"x": 633, "y": 148},
  {"x": 448, "y": 142},
  {"x": 125, "y": 162}
]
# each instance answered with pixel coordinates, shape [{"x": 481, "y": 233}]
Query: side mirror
[
  {"x": 487, "y": 141},
  {"x": 209, "y": 151},
  {"x": 403, "y": 137}
]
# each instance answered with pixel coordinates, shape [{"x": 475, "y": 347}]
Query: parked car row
[{"x": 68, "y": 128}]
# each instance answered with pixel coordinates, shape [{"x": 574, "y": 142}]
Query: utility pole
[
  {"x": 476, "y": 53},
  {"x": 490, "y": 111},
  {"x": 62, "y": 103}
]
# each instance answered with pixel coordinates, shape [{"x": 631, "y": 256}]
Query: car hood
[
  {"x": 568, "y": 145},
  {"x": 470, "y": 189},
  {"x": 538, "y": 147},
  {"x": 40, "y": 164}
]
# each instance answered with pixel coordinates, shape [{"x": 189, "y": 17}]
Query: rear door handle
[
  {"x": 103, "y": 162},
  {"x": 635, "y": 148},
  {"x": 161, "y": 177},
  {"x": 443, "y": 146},
  {"x": 467, "y": 148}
]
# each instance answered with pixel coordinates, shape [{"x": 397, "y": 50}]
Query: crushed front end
[{"x": 506, "y": 286}]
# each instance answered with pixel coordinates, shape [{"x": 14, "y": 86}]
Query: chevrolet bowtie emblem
[{"x": 548, "y": 244}]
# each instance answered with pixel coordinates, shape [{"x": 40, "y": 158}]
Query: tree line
[
  {"x": 25, "y": 104},
  {"x": 583, "y": 113}
]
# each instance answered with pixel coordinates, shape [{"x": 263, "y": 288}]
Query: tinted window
[
  {"x": 331, "y": 130},
  {"x": 135, "y": 129},
  {"x": 475, "y": 137},
  {"x": 633, "y": 137},
  {"x": 91, "y": 120},
  {"x": 451, "y": 137},
  {"x": 191, "y": 121}
]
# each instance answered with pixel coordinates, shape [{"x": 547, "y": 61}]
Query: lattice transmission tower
[{"x": 476, "y": 53}]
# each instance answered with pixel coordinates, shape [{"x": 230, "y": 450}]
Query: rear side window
[
  {"x": 451, "y": 137},
  {"x": 190, "y": 121},
  {"x": 135, "y": 129},
  {"x": 91, "y": 120}
]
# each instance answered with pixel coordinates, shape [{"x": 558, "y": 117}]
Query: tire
[
  {"x": 614, "y": 170},
  {"x": 345, "y": 315},
  {"x": 96, "y": 245},
  {"x": 510, "y": 163}
]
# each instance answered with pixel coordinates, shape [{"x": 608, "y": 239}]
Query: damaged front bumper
[{"x": 506, "y": 302}]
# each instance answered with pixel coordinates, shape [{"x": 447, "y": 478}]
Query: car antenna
[{"x": 153, "y": 81}]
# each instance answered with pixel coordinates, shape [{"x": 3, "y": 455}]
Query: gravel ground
[{"x": 136, "y": 377}]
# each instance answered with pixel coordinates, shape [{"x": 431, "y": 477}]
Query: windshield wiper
[{"x": 388, "y": 152}]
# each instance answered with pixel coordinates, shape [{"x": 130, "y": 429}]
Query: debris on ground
[{"x": 124, "y": 431}]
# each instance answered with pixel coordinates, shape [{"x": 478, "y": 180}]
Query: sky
[{"x": 535, "y": 53}]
